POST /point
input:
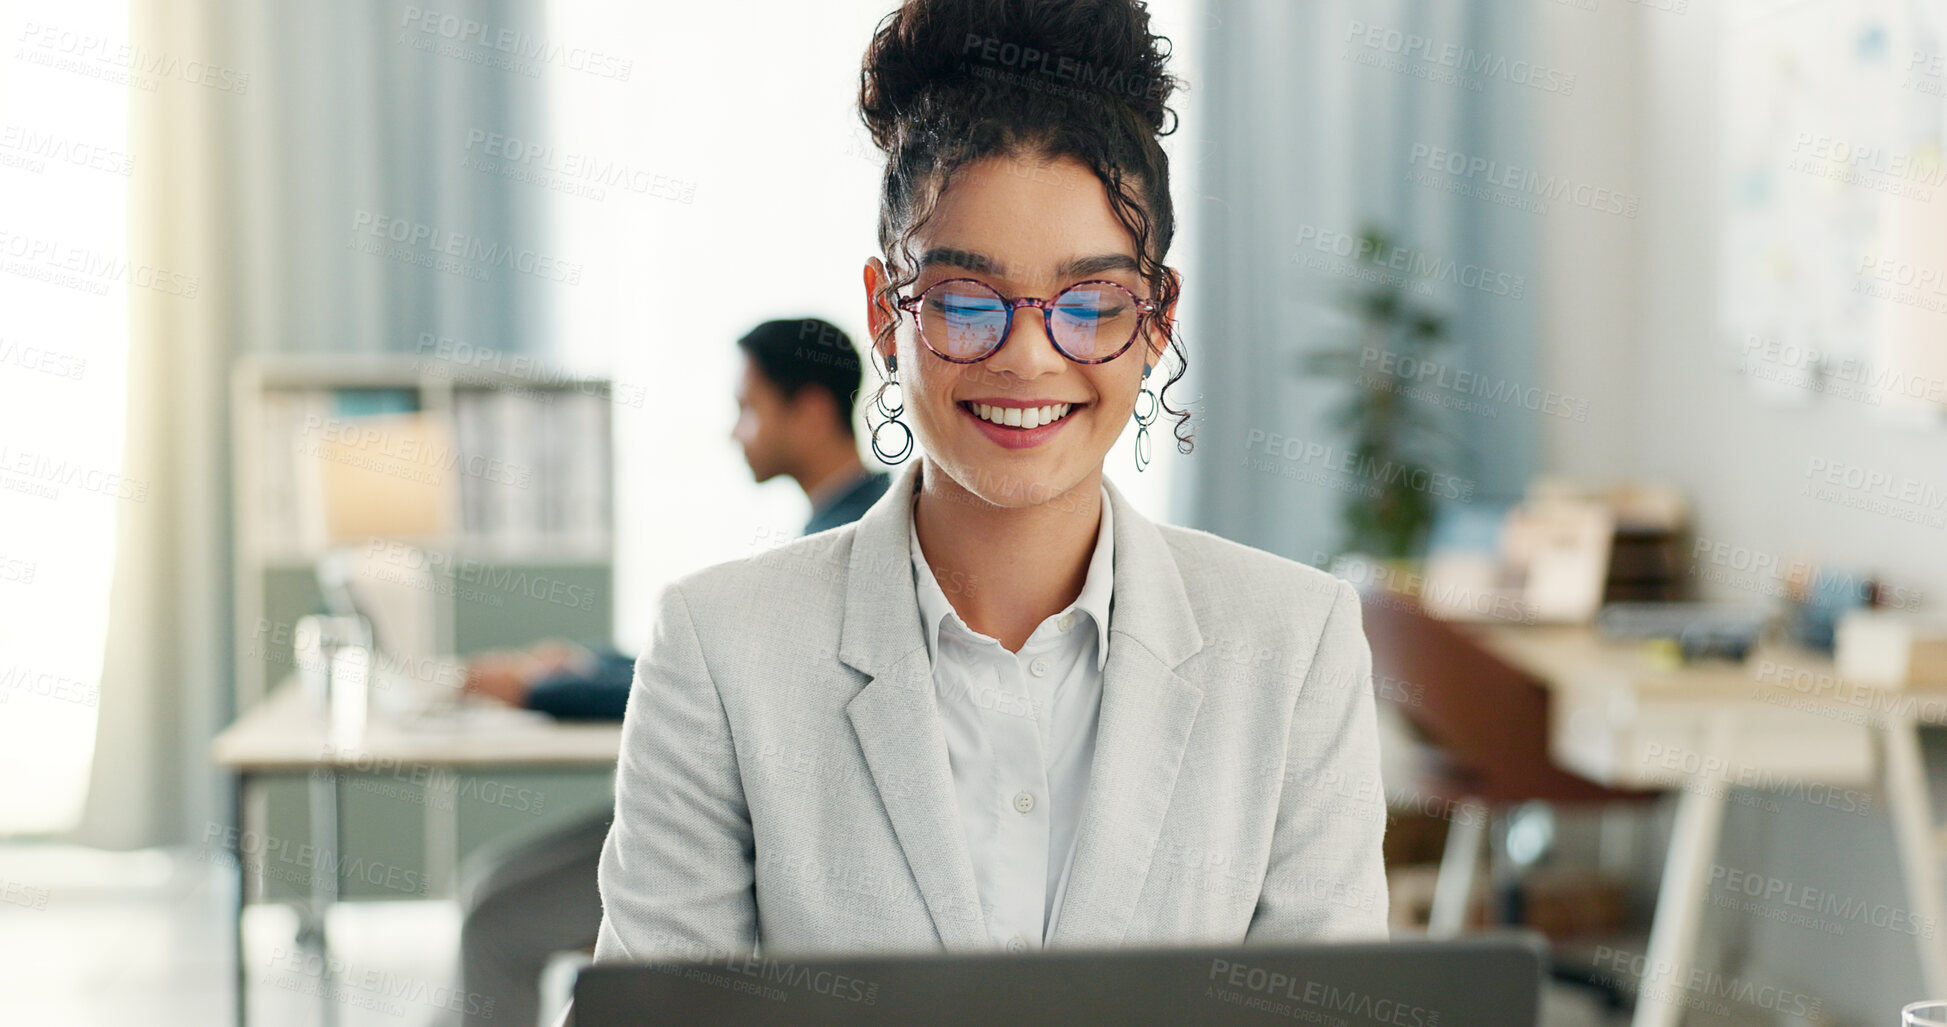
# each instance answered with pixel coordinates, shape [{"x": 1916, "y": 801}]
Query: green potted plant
[{"x": 1394, "y": 438}]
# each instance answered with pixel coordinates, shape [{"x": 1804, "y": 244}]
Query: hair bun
[{"x": 947, "y": 52}]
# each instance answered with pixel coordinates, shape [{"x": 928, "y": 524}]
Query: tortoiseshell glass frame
[{"x": 1144, "y": 307}]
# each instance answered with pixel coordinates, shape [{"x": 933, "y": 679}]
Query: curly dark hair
[{"x": 946, "y": 83}]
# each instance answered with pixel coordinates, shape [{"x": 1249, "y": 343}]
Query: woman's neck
[{"x": 1006, "y": 569}]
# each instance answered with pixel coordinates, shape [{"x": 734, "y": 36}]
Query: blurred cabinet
[{"x": 524, "y": 463}]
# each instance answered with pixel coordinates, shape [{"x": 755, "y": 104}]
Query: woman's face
[{"x": 1025, "y": 228}]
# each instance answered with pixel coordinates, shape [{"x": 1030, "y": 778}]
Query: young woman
[{"x": 1003, "y": 711}]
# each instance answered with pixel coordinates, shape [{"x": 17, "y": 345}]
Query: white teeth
[{"x": 1023, "y": 417}]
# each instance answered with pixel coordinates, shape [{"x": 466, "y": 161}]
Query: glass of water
[
  {"x": 315, "y": 645},
  {"x": 1924, "y": 1014}
]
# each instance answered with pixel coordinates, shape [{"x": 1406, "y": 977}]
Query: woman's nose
[{"x": 1026, "y": 352}]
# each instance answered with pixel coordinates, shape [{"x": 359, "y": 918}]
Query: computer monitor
[{"x": 1487, "y": 981}]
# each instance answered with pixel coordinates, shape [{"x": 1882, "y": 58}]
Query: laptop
[{"x": 1483, "y": 981}]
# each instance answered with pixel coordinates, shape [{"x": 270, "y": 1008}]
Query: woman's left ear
[{"x": 878, "y": 313}]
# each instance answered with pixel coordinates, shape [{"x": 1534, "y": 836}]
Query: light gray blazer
[{"x": 784, "y": 785}]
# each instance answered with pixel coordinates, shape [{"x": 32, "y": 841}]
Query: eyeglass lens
[{"x": 968, "y": 320}]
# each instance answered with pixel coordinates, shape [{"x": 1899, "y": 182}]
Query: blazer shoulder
[
  {"x": 1220, "y": 573},
  {"x": 792, "y": 574}
]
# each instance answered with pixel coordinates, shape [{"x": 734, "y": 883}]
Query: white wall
[{"x": 1631, "y": 316}]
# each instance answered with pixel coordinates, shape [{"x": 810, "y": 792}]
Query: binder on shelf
[
  {"x": 514, "y": 483},
  {"x": 578, "y": 478},
  {"x": 525, "y": 467},
  {"x": 474, "y": 436}
]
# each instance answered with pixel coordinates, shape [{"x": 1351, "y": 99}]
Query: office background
[{"x": 186, "y": 186}]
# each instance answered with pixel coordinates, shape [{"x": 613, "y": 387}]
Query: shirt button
[
  {"x": 1039, "y": 667},
  {"x": 1067, "y": 621},
  {"x": 1023, "y": 802},
  {"x": 1015, "y": 944}
]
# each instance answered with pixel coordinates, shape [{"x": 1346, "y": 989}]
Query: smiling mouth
[{"x": 1021, "y": 418}]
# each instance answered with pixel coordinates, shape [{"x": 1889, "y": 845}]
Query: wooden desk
[
  {"x": 1782, "y": 720},
  {"x": 283, "y": 736}
]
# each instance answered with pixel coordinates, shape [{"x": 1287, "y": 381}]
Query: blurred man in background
[{"x": 794, "y": 416}]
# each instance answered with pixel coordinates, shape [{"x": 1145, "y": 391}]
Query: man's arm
[
  {"x": 601, "y": 693},
  {"x": 1327, "y": 876}
]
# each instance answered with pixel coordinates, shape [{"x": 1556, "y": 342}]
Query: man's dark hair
[{"x": 807, "y": 352}]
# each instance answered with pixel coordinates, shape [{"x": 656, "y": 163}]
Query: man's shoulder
[
  {"x": 850, "y": 505},
  {"x": 783, "y": 571}
]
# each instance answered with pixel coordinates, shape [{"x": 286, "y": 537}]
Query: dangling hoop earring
[
  {"x": 890, "y": 415},
  {"x": 1144, "y": 420}
]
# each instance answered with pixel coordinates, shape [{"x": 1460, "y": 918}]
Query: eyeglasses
[{"x": 965, "y": 320}]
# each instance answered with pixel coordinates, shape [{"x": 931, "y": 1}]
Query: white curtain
[
  {"x": 305, "y": 164},
  {"x": 65, "y": 271}
]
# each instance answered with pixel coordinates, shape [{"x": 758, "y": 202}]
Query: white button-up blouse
[{"x": 1020, "y": 734}]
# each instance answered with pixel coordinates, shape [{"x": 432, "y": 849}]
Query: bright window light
[{"x": 64, "y": 278}]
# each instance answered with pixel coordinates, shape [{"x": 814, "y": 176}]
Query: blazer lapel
[
  {"x": 897, "y": 719},
  {"x": 1146, "y": 715},
  {"x": 1147, "y": 712}
]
